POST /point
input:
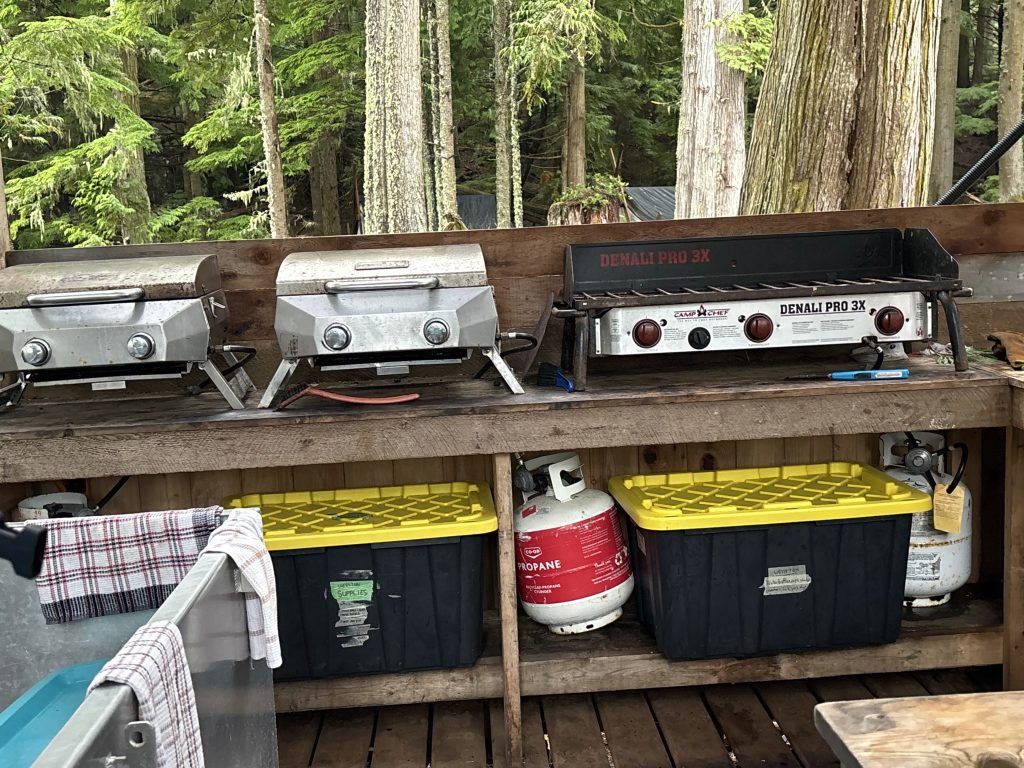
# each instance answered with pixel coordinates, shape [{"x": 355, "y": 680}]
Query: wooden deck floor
[{"x": 766, "y": 725}]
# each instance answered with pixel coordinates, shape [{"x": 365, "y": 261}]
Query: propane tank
[
  {"x": 939, "y": 562},
  {"x": 572, "y": 562}
]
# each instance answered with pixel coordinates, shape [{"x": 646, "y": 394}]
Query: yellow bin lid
[
  {"x": 770, "y": 495},
  {"x": 302, "y": 519}
]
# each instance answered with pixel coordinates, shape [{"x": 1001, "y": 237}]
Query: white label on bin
[
  {"x": 923, "y": 566},
  {"x": 786, "y": 580},
  {"x": 350, "y": 614}
]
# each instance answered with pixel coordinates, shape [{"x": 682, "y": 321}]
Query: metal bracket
[
  {"x": 281, "y": 375},
  {"x": 503, "y": 370},
  {"x": 956, "y": 335},
  {"x": 10, "y": 395},
  {"x": 140, "y": 738}
]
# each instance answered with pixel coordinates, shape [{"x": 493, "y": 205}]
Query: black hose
[
  {"x": 248, "y": 353},
  {"x": 958, "y": 476},
  {"x": 531, "y": 343},
  {"x": 111, "y": 493},
  {"x": 979, "y": 168}
]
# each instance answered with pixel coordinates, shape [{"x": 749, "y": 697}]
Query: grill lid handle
[
  {"x": 381, "y": 284},
  {"x": 84, "y": 297}
]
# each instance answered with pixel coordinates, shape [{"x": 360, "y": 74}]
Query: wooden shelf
[
  {"x": 622, "y": 657},
  {"x": 148, "y": 435}
]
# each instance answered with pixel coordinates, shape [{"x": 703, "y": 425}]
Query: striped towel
[
  {"x": 98, "y": 566},
  {"x": 240, "y": 537},
  {"x": 153, "y": 664}
]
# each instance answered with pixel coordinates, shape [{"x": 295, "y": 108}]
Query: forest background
[{"x": 128, "y": 121}]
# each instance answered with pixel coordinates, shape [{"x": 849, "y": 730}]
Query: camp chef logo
[
  {"x": 701, "y": 311},
  {"x": 787, "y": 580},
  {"x": 532, "y": 552}
]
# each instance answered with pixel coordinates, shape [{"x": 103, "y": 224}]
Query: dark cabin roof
[{"x": 651, "y": 203}]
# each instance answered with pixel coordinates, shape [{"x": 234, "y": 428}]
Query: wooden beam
[
  {"x": 622, "y": 669},
  {"x": 508, "y": 604},
  {"x": 1013, "y": 562}
]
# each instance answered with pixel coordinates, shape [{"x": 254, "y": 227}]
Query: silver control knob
[
  {"x": 337, "y": 337},
  {"x": 35, "y": 352},
  {"x": 141, "y": 345},
  {"x": 436, "y": 331}
]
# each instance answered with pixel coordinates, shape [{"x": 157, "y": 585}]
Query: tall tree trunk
[
  {"x": 985, "y": 21},
  {"x": 268, "y": 122},
  {"x": 192, "y": 182},
  {"x": 515, "y": 156},
  {"x": 891, "y": 152},
  {"x": 710, "y": 147},
  {"x": 323, "y": 183},
  {"x": 447, "y": 204},
  {"x": 963, "y": 56},
  {"x": 432, "y": 123},
  {"x": 575, "y": 158},
  {"x": 393, "y": 186},
  {"x": 945, "y": 99},
  {"x": 1011, "y": 91},
  {"x": 805, "y": 115},
  {"x": 501, "y": 16},
  {"x": 5, "y": 227},
  {"x": 135, "y": 226}
]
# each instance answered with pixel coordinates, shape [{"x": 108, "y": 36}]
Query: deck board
[{"x": 767, "y": 725}]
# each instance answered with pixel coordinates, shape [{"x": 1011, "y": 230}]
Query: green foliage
[
  {"x": 976, "y": 109},
  {"x": 550, "y": 34},
  {"x": 602, "y": 189},
  {"x": 752, "y": 32}
]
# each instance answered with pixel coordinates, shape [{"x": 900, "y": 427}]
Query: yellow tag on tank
[{"x": 948, "y": 509}]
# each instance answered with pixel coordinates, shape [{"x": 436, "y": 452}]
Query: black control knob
[{"x": 699, "y": 338}]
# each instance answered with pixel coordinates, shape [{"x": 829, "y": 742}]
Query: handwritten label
[
  {"x": 352, "y": 591},
  {"x": 948, "y": 508}
]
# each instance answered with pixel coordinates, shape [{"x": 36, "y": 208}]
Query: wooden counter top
[{"x": 141, "y": 435}]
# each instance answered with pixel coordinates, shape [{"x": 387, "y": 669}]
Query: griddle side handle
[
  {"x": 110, "y": 296},
  {"x": 383, "y": 284}
]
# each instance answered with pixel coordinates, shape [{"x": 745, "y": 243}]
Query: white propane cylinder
[
  {"x": 939, "y": 562},
  {"x": 572, "y": 562}
]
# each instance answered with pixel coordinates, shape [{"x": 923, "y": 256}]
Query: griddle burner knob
[
  {"x": 141, "y": 345},
  {"x": 646, "y": 333},
  {"x": 35, "y": 352},
  {"x": 889, "y": 321},
  {"x": 758, "y": 327},
  {"x": 699, "y": 338},
  {"x": 436, "y": 331},
  {"x": 337, "y": 337}
]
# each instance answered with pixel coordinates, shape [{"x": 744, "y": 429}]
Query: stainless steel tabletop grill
[
  {"x": 385, "y": 309},
  {"x": 106, "y": 322}
]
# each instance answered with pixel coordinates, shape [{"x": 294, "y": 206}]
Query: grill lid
[
  {"x": 108, "y": 280},
  {"x": 435, "y": 266}
]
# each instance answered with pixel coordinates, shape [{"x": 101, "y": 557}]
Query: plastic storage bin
[
  {"x": 374, "y": 580},
  {"x": 754, "y": 561}
]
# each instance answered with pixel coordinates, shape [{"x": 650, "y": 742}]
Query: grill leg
[
  {"x": 956, "y": 335},
  {"x": 503, "y": 370},
  {"x": 222, "y": 384},
  {"x": 582, "y": 352},
  {"x": 281, "y": 375}
]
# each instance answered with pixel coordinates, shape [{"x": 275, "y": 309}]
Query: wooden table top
[{"x": 974, "y": 730}]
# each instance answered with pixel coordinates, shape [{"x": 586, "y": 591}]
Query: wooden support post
[
  {"x": 508, "y": 604},
  {"x": 1013, "y": 563}
]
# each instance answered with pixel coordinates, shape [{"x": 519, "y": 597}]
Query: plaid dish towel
[
  {"x": 153, "y": 664},
  {"x": 98, "y": 566},
  {"x": 240, "y": 537}
]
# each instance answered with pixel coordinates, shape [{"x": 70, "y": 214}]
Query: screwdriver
[{"x": 892, "y": 373}]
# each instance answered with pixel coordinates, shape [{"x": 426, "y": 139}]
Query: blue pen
[{"x": 889, "y": 373}]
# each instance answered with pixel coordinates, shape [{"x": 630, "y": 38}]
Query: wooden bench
[{"x": 975, "y": 730}]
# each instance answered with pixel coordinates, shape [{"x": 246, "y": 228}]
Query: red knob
[
  {"x": 889, "y": 321},
  {"x": 646, "y": 333},
  {"x": 758, "y": 327}
]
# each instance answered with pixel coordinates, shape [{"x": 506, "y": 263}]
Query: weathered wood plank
[
  {"x": 632, "y": 734},
  {"x": 791, "y": 704},
  {"x": 296, "y": 737},
  {"x": 979, "y": 729},
  {"x": 535, "y": 749},
  {"x": 893, "y": 686},
  {"x": 684, "y": 722},
  {"x": 228, "y": 441},
  {"x": 839, "y": 689},
  {"x": 1013, "y": 562},
  {"x": 748, "y": 727},
  {"x": 947, "y": 681},
  {"x": 458, "y": 736},
  {"x": 574, "y": 732},
  {"x": 345, "y": 739},
  {"x": 401, "y": 740}
]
